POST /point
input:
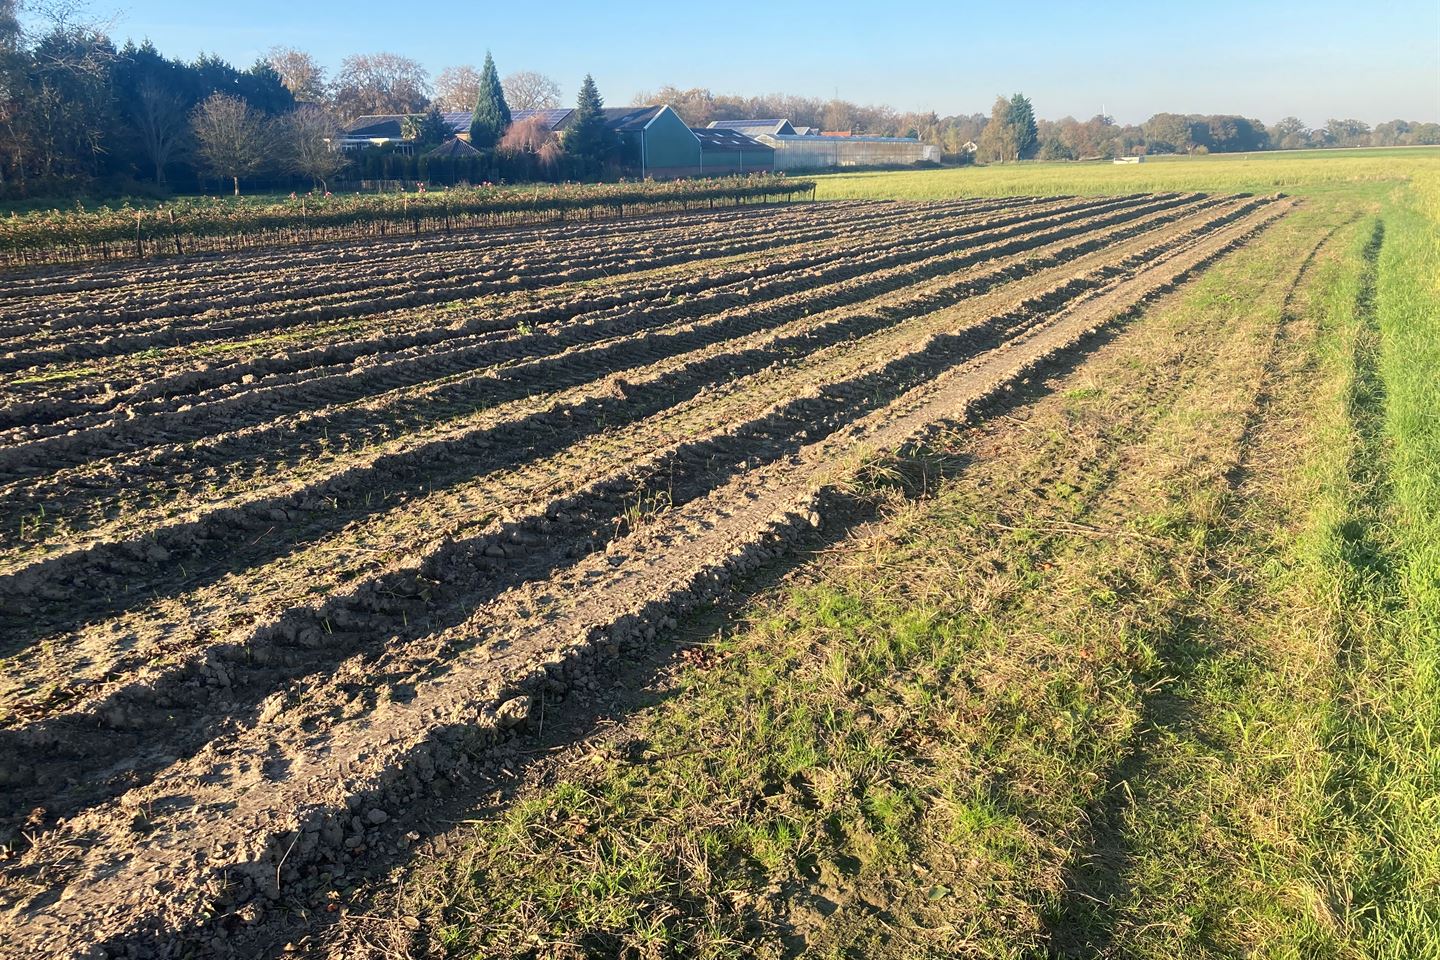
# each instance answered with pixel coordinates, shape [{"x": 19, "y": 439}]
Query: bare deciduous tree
[
  {"x": 456, "y": 88},
  {"x": 307, "y": 140},
  {"x": 159, "y": 115},
  {"x": 64, "y": 92},
  {"x": 380, "y": 83},
  {"x": 838, "y": 116},
  {"x": 233, "y": 137},
  {"x": 302, "y": 76},
  {"x": 528, "y": 90}
]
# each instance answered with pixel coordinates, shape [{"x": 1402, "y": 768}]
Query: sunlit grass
[
  {"x": 1302, "y": 172},
  {"x": 1377, "y": 568}
]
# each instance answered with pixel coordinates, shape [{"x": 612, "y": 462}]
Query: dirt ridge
[{"x": 250, "y": 829}]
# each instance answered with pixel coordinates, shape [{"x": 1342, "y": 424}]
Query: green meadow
[{"x": 1308, "y": 172}]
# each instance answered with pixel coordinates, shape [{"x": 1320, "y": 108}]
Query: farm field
[
  {"x": 1140, "y": 663},
  {"x": 1315, "y": 173},
  {"x": 987, "y": 571}
]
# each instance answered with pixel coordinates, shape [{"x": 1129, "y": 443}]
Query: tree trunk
[{"x": 237, "y": 186}]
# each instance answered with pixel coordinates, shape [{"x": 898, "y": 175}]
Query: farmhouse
[{"x": 654, "y": 141}]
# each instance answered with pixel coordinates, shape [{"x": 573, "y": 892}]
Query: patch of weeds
[{"x": 56, "y": 376}]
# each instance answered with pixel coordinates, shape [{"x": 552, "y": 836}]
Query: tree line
[
  {"x": 79, "y": 114},
  {"x": 1063, "y": 139}
]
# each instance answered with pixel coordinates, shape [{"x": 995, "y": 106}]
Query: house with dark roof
[
  {"x": 388, "y": 130},
  {"x": 372, "y": 131}
]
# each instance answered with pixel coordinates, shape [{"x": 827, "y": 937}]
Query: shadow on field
[
  {"x": 483, "y": 780},
  {"x": 1098, "y": 879}
]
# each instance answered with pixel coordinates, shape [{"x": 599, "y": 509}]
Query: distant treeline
[
  {"x": 81, "y": 115},
  {"x": 1063, "y": 139}
]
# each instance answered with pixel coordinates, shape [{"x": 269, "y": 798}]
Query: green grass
[
  {"x": 1158, "y": 680},
  {"x": 55, "y": 376},
  {"x": 1341, "y": 172},
  {"x": 1376, "y": 558}
]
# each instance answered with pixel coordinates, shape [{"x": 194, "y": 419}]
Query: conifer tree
[
  {"x": 1021, "y": 118},
  {"x": 589, "y": 141},
  {"x": 427, "y": 129},
  {"x": 492, "y": 114}
]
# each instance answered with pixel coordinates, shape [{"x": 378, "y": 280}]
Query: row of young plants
[{"x": 210, "y": 224}]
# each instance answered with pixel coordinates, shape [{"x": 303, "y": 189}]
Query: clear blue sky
[{"x": 1374, "y": 60}]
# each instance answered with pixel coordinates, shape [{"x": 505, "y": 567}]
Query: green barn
[{"x": 655, "y": 142}]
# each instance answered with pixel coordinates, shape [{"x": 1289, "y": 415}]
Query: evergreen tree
[
  {"x": 492, "y": 113},
  {"x": 1021, "y": 119},
  {"x": 433, "y": 130},
  {"x": 589, "y": 141}
]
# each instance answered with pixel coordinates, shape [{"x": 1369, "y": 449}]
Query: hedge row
[{"x": 222, "y": 224}]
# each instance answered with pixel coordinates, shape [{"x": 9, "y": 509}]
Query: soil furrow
[
  {"x": 186, "y": 535},
  {"x": 778, "y": 276},
  {"x": 151, "y": 713},
  {"x": 771, "y": 382},
  {"x": 123, "y": 281},
  {"x": 171, "y": 317},
  {"x": 260, "y": 823},
  {"x": 177, "y": 422}
]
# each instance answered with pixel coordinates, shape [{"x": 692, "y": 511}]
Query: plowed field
[{"x": 287, "y": 538}]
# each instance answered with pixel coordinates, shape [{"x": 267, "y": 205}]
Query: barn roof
[
  {"x": 776, "y": 127},
  {"x": 732, "y": 141},
  {"x": 630, "y": 118}
]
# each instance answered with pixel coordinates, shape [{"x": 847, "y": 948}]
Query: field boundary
[{"x": 189, "y": 228}]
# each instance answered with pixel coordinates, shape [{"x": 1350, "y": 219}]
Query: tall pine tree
[
  {"x": 1022, "y": 125},
  {"x": 589, "y": 141},
  {"x": 492, "y": 113}
]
